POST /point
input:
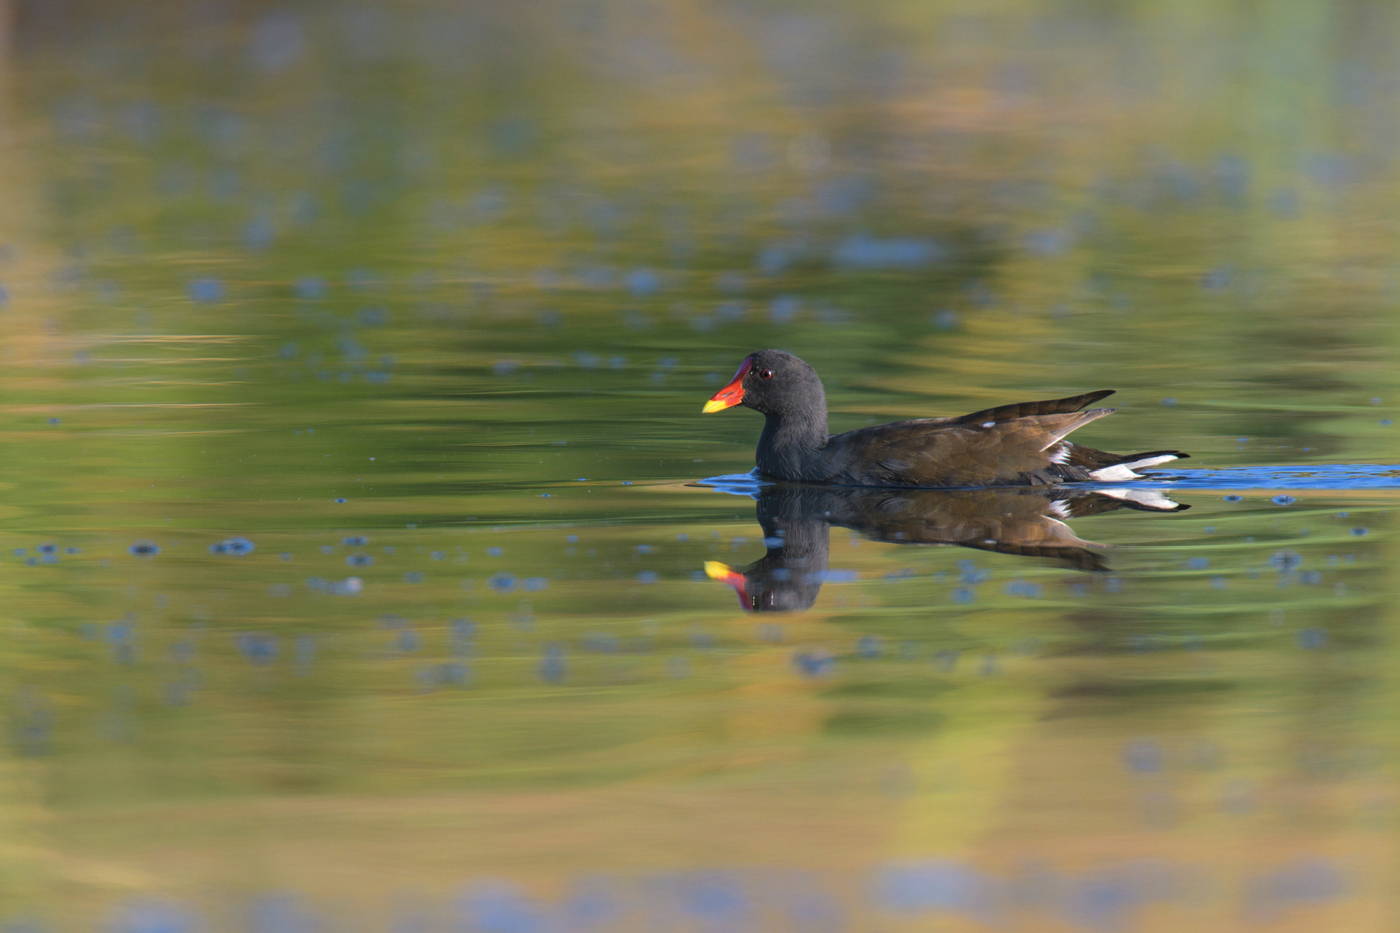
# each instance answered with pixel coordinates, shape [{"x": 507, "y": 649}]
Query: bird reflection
[{"x": 1025, "y": 521}]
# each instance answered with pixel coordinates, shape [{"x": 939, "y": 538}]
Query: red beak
[{"x": 731, "y": 394}]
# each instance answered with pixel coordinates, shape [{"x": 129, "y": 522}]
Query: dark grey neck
[{"x": 791, "y": 444}]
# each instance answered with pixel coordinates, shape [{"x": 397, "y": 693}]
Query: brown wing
[
  {"x": 934, "y": 452},
  {"x": 1053, "y": 406}
]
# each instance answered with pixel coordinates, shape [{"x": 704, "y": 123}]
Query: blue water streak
[{"x": 1315, "y": 476}]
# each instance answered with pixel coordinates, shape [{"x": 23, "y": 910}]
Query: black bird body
[{"x": 1011, "y": 445}]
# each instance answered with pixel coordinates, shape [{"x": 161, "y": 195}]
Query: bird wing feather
[
  {"x": 937, "y": 452},
  {"x": 1053, "y": 406}
]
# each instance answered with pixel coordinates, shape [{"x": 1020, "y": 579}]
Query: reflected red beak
[
  {"x": 727, "y": 574},
  {"x": 731, "y": 394}
]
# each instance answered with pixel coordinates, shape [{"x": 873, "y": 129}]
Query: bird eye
[{"x": 765, "y": 374}]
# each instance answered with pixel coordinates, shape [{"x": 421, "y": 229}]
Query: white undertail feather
[
  {"x": 1147, "y": 498},
  {"x": 1114, "y": 474},
  {"x": 1060, "y": 454},
  {"x": 1120, "y": 472},
  {"x": 1059, "y": 508}
]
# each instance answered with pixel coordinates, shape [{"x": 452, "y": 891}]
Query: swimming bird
[{"x": 1021, "y": 444}]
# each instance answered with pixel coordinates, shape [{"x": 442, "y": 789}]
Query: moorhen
[
  {"x": 1010, "y": 445},
  {"x": 1021, "y": 521}
]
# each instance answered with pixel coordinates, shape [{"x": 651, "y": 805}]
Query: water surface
[{"x": 356, "y": 567}]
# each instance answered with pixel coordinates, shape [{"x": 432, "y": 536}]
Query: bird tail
[{"x": 1123, "y": 467}]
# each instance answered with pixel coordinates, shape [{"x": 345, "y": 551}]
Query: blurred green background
[{"x": 422, "y": 300}]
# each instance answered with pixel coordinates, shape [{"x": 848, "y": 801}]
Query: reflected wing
[{"x": 1017, "y": 520}]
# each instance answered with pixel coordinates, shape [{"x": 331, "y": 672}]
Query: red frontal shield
[{"x": 731, "y": 394}]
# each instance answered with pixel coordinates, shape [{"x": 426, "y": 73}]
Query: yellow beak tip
[
  {"x": 713, "y": 405},
  {"x": 715, "y": 570}
]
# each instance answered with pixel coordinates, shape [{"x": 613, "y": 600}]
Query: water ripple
[
  {"x": 1312, "y": 476},
  {"x": 1315, "y": 476}
]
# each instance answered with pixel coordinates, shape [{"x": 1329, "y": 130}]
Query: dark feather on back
[{"x": 1050, "y": 406}]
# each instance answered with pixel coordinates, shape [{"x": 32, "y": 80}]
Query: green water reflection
[{"x": 353, "y": 570}]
